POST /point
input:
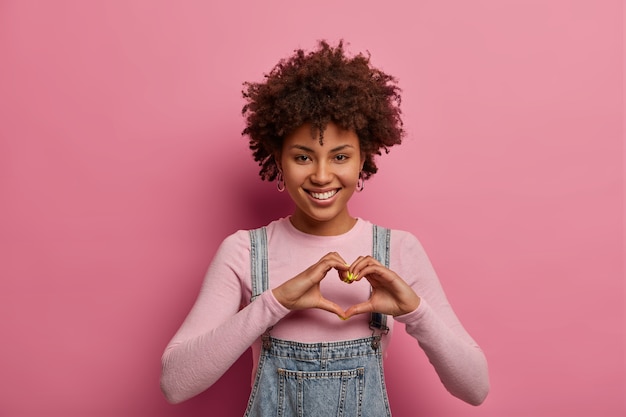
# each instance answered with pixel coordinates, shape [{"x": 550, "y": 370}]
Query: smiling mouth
[{"x": 323, "y": 196}]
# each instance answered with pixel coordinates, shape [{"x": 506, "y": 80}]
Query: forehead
[{"x": 334, "y": 136}]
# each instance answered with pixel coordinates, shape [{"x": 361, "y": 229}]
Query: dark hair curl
[{"x": 320, "y": 87}]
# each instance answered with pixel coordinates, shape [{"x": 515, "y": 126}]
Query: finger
[
  {"x": 377, "y": 274},
  {"x": 335, "y": 257},
  {"x": 334, "y": 260},
  {"x": 364, "y": 307},
  {"x": 328, "y": 305},
  {"x": 347, "y": 276},
  {"x": 328, "y": 262},
  {"x": 360, "y": 265}
]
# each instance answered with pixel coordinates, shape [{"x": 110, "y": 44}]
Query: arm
[
  {"x": 457, "y": 359},
  {"x": 215, "y": 332},
  {"x": 411, "y": 292}
]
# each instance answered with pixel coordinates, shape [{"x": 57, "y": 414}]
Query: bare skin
[
  {"x": 321, "y": 179},
  {"x": 390, "y": 293}
]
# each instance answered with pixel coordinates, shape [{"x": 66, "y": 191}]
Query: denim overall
[{"x": 318, "y": 379}]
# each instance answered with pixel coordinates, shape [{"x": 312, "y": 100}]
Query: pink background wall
[{"x": 122, "y": 168}]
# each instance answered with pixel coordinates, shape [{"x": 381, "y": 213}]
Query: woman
[{"x": 315, "y": 294}]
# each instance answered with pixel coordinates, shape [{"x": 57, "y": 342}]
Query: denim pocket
[{"x": 320, "y": 393}]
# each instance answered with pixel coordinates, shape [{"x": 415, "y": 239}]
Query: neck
[{"x": 322, "y": 228}]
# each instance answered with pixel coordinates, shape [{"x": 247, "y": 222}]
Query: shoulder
[
  {"x": 403, "y": 241},
  {"x": 398, "y": 236},
  {"x": 233, "y": 250},
  {"x": 240, "y": 240},
  {"x": 409, "y": 259},
  {"x": 236, "y": 240},
  {"x": 404, "y": 237}
]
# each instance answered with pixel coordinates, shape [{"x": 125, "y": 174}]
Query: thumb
[
  {"x": 364, "y": 307},
  {"x": 329, "y": 306}
]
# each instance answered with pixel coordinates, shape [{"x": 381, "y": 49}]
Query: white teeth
[{"x": 324, "y": 196}]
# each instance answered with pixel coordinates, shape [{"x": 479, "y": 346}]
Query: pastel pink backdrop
[{"x": 122, "y": 168}]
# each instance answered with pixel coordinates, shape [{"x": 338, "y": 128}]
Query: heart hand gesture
[{"x": 390, "y": 293}]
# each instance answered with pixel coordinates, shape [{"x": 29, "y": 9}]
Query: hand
[
  {"x": 390, "y": 293},
  {"x": 303, "y": 290}
]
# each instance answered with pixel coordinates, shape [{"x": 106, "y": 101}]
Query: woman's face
[{"x": 321, "y": 178}]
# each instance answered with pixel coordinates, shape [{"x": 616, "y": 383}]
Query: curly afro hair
[{"x": 320, "y": 87}]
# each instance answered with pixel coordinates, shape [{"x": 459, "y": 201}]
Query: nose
[{"x": 322, "y": 174}]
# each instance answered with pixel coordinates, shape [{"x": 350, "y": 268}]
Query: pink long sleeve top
[{"x": 223, "y": 323}]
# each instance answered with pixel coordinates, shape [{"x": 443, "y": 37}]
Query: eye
[
  {"x": 341, "y": 157},
  {"x": 302, "y": 158}
]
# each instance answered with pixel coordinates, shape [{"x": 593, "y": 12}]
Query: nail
[{"x": 350, "y": 277}]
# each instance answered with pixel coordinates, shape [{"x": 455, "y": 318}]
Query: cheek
[
  {"x": 293, "y": 177},
  {"x": 351, "y": 174}
]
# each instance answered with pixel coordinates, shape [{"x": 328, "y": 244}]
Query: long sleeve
[
  {"x": 218, "y": 330},
  {"x": 456, "y": 357},
  {"x": 215, "y": 332}
]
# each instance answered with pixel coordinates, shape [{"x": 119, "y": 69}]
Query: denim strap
[
  {"x": 380, "y": 251},
  {"x": 258, "y": 261}
]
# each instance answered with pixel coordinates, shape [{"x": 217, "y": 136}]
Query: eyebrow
[{"x": 335, "y": 149}]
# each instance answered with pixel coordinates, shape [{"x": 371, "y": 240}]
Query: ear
[{"x": 277, "y": 160}]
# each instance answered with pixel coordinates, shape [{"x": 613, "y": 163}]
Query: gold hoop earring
[{"x": 280, "y": 182}]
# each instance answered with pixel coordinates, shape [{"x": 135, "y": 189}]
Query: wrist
[{"x": 410, "y": 307}]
